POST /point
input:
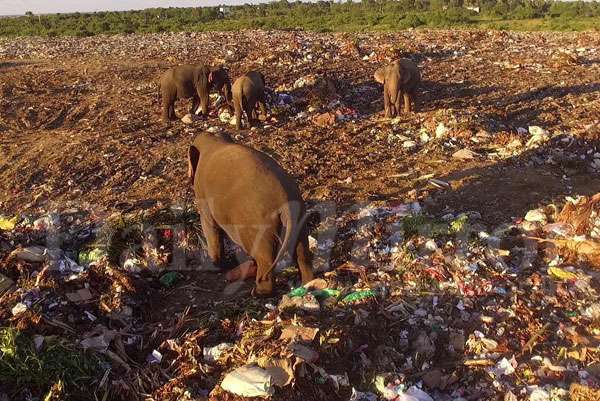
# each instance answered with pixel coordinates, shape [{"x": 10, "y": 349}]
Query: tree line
[{"x": 384, "y": 15}]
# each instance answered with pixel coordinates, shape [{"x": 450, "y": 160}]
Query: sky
[{"x": 19, "y": 7}]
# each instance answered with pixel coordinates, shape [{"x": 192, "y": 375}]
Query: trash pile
[
  {"x": 423, "y": 308},
  {"x": 454, "y": 259}
]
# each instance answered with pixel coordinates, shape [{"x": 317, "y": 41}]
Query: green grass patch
[
  {"x": 430, "y": 227},
  {"x": 57, "y": 364}
]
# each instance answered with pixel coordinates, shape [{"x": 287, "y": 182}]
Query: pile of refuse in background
[{"x": 456, "y": 259}]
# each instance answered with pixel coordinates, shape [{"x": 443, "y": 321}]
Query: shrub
[
  {"x": 525, "y": 12},
  {"x": 412, "y": 20},
  {"x": 449, "y": 17}
]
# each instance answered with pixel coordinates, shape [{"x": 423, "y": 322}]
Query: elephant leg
[
  {"x": 168, "y": 108},
  {"x": 258, "y": 242},
  {"x": 263, "y": 106},
  {"x": 214, "y": 238},
  {"x": 172, "y": 115},
  {"x": 407, "y": 98},
  {"x": 386, "y": 101},
  {"x": 195, "y": 104},
  {"x": 264, "y": 257},
  {"x": 397, "y": 103},
  {"x": 238, "y": 114},
  {"x": 254, "y": 105},
  {"x": 415, "y": 101},
  {"x": 166, "y": 111},
  {"x": 303, "y": 258},
  {"x": 248, "y": 108}
]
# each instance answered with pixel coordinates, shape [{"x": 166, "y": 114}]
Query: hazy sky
[{"x": 18, "y": 7}]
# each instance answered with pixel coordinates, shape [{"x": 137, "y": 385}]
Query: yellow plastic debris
[
  {"x": 560, "y": 274},
  {"x": 7, "y": 224}
]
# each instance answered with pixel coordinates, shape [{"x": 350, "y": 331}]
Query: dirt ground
[
  {"x": 80, "y": 121},
  {"x": 80, "y": 127}
]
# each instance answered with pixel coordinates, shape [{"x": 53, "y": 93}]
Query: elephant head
[
  {"x": 396, "y": 68},
  {"x": 219, "y": 79},
  {"x": 405, "y": 75}
]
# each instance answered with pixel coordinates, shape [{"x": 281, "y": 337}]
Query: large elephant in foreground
[{"x": 244, "y": 193}]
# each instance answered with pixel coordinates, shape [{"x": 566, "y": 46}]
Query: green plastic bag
[
  {"x": 298, "y": 292},
  {"x": 358, "y": 296},
  {"x": 326, "y": 293},
  {"x": 169, "y": 279},
  {"x": 319, "y": 294}
]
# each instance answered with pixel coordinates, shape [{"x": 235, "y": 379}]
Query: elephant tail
[{"x": 293, "y": 220}]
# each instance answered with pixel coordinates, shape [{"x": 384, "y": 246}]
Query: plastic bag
[{"x": 249, "y": 381}]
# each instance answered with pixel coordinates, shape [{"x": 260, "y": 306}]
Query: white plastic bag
[{"x": 249, "y": 381}]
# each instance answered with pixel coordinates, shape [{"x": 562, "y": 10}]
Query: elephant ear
[
  {"x": 202, "y": 77},
  {"x": 193, "y": 158},
  {"x": 380, "y": 75},
  {"x": 405, "y": 75}
]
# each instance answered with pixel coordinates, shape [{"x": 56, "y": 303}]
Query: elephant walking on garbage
[
  {"x": 400, "y": 80},
  {"x": 195, "y": 82},
  {"x": 244, "y": 193}
]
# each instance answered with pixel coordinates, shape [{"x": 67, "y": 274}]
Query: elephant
[
  {"x": 245, "y": 194},
  {"x": 399, "y": 79},
  {"x": 247, "y": 91},
  {"x": 192, "y": 81}
]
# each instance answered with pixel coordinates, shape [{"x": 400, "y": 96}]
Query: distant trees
[{"x": 284, "y": 14}]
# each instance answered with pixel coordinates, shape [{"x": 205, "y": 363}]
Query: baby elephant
[
  {"x": 246, "y": 194},
  {"x": 248, "y": 90},
  {"x": 399, "y": 79},
  {"x": 191, "y": 81}
]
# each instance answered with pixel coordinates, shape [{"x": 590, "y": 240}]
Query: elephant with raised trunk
[{"x": 244, "y": 193}]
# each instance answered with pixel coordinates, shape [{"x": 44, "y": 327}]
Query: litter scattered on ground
[
  {"x": 456, "y": 260},
  {"x": 5, "y": 283},
  {"x": 169, "y": 279},
  {"x": 212, "y": 354},
  {"x": 249, "y": 381}
]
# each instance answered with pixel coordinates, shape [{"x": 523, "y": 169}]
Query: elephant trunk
[
  {"x": 393, "y": 89},
  {"x": 227, "y": 93}
]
